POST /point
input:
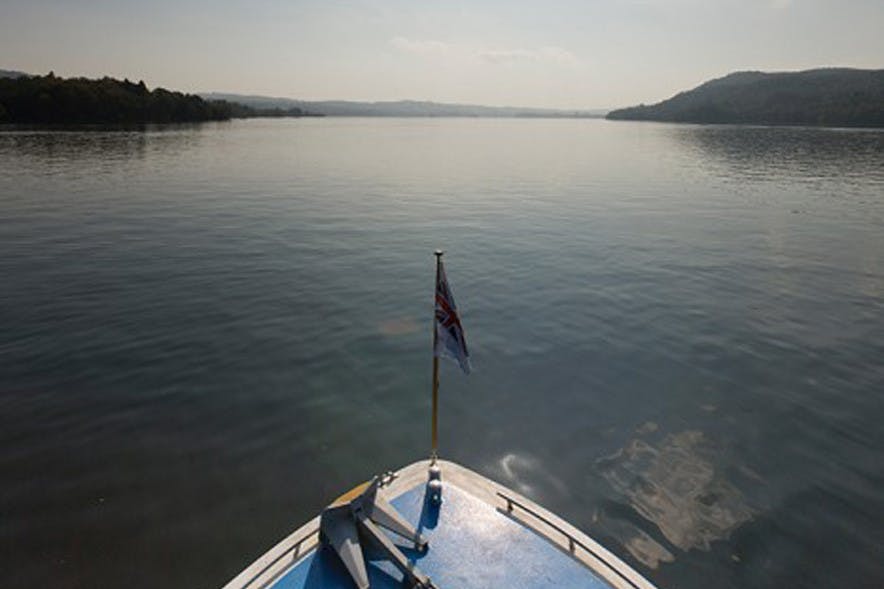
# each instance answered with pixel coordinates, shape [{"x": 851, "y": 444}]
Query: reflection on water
[
  {"x": 518, "y": 471},
  {"x": 765, "y": 153},
  {"x": 676, "y": 485},
  {"x": 97, "y": 147},
  {"x": 75, "y": 145},
  {"x": 399, "y": 326},
  {"x": 639, "y": 543}
]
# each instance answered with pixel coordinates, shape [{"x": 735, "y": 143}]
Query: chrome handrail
[
  {"x": 572, "y": 541},
  {"x": 294, "y": 548}
]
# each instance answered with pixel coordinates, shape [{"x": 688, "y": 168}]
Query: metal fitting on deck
[{"x": 434, "y": 485}]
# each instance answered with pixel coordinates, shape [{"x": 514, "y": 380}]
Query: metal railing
[
  {"x": 293, "y": 550},
  {"x": 572, "y": 541}
]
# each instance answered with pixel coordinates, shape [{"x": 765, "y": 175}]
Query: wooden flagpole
[{"x": 435, "y": 452}]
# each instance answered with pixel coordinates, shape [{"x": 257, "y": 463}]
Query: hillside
[
  {"x": 12, "y": 74},
  {"x": 54, "y": 100},
  {"x": 399, "y": 108},
  {"x": 836, "y": 97},
  {"x": 50, "y": 99}
]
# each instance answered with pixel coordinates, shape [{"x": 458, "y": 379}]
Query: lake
[{"x": 210, "y": 331}]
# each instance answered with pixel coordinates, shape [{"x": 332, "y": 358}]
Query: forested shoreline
[{"x": 50, "y": 99}]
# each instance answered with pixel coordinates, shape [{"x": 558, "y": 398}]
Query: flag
[{"x": 449, "y": 339}]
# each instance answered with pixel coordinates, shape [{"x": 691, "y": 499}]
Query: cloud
[
  {"x": 546, "y": 54},
  {"x": 432, "y": 48},
  {"x": 559, "y": 54},
  {"x": 506, "y": 55},
  {"x": 420, "y": 47}
]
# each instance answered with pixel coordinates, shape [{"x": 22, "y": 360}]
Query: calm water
[{"x": 208, "y": 332}]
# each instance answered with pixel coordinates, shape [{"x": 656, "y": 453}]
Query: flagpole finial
[{"x": 438, "y": 253}]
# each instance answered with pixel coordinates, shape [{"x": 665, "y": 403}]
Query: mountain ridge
[
  {"x": 842, "y": 97},
  {"x": 13, "y": 74},
  {"x": 400, "y": 108}
]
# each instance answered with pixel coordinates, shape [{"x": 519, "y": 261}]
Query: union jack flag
[{"x": 450, "y": 339}]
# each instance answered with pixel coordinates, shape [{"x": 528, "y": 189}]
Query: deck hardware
[
  {"x": 387, "y": 478},
  {"x": 348, "y": 520},
  {"x": 434, "y": 485}
]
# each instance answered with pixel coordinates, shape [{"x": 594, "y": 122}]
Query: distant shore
[
  {"x": 830, "y": 97},
  {"x": 405, "y": 108},
  {"x": 48, "y": 99}
]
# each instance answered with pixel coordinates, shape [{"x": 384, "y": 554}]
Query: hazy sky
[{"x": 572, "y": 54}]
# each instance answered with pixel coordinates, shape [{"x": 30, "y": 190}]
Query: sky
[{"x": 562, "y": 54}]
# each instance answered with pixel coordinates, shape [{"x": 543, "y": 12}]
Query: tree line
[{"x": 53, "y": 100}]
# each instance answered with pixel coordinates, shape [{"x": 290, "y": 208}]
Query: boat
[
  {"x": 435, "y": 524},
  {"x": 480, "y": 535}
]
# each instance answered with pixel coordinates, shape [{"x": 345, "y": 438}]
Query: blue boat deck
[
  {"x": 482, "y": 536},
  {"x": 472, "y": 545}
]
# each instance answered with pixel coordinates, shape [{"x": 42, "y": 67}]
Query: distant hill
[
  {"x": 12, "y": 74},
  {"x": 50, "y": 99},
  {"x": 836, "y": 97},
  {"x": 400, "y": 108},
  {"x": 54, "y": 100}
]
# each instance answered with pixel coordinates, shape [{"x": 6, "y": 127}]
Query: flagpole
[{"x": 435, "y": 452}]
